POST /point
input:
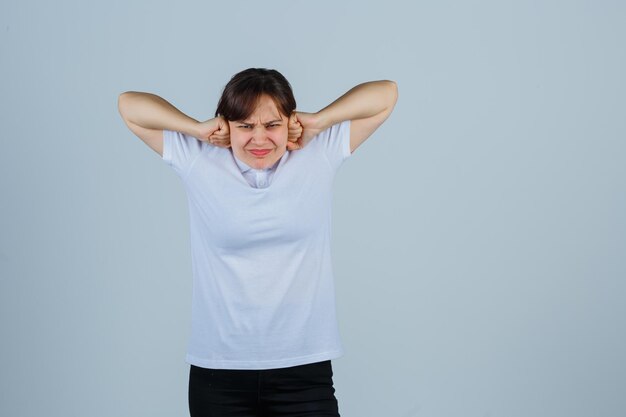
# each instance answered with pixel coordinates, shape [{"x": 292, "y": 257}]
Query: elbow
[
  {"x": 121, "y": 99},
  {"x": 393, "y": 92},
  {"x": 394, "y": 87},
  {"x": 125, "y": 95},
  {"x": 123, "y": 103}
]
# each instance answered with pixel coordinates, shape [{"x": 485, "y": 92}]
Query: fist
[
  {"x": 306, "y": 126},
  {"x": 295, "y": 132},
  {"x": 215, "y": 131}
]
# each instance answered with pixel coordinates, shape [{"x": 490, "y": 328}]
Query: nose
[{"x": 259, "y": 135}]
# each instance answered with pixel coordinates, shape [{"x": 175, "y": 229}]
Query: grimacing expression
[{"x": 261, "y": 139}]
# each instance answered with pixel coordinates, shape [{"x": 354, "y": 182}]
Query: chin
[{"x": 263, "y": 163}]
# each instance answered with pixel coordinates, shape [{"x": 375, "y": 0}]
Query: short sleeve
[
  {"x": 336, "y": 143},
  {"x": 180, "y": 150}
]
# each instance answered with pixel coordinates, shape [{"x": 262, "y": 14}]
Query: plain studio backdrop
[{"x": 478, "y": 236}]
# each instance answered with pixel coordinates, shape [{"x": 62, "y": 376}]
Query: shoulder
[
  {"x": 181, "y": 150},
  {"x": 331, "y": 144}
]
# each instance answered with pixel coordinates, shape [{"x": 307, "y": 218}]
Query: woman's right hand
[{"x": 215, "y": 131}]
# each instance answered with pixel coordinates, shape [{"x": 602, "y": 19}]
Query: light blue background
[{"x": 479, "y": 234}]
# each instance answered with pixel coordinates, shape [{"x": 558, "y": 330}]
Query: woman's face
[{"x": 265, "y": 130}]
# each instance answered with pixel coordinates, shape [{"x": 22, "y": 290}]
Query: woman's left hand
[
  {"x": 302, "y": 128},
  {"x": 295, "y": 131}
]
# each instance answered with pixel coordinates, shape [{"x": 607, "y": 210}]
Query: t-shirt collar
[{"x": 243, "y": 167}]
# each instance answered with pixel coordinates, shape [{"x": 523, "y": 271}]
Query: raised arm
[
  {"x": 147, "y": 115},
  {"x": 366, "y": 105}
]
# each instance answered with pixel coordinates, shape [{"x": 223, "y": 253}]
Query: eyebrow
[{"x": 266, "y": 123}]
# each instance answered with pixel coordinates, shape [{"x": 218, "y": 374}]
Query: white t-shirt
[
  {"x": 257, "y": 178},
  {"x": 263, "y": 291}
]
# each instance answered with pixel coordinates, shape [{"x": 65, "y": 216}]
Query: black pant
[{"x": 303, "y": 390}]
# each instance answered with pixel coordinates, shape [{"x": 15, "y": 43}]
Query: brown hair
[{"x": 241, "y": 94}]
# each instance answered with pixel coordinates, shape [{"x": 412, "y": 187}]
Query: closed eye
[{"x": 248, "y": 126}]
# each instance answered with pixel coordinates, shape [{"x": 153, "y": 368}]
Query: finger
[
  {"x": 219, "y": 140},
  {"x": 221, "y": 137},
  {"x": 295, "y": 130},
  {"x": 222, "y": 125}
]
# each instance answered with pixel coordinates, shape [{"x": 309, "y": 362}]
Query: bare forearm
[
  {"x": 363, "y": 100},
  {"x": 153, "y": 112}
]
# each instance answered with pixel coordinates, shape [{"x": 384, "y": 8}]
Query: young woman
[{"x": 258, "y": 178}]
